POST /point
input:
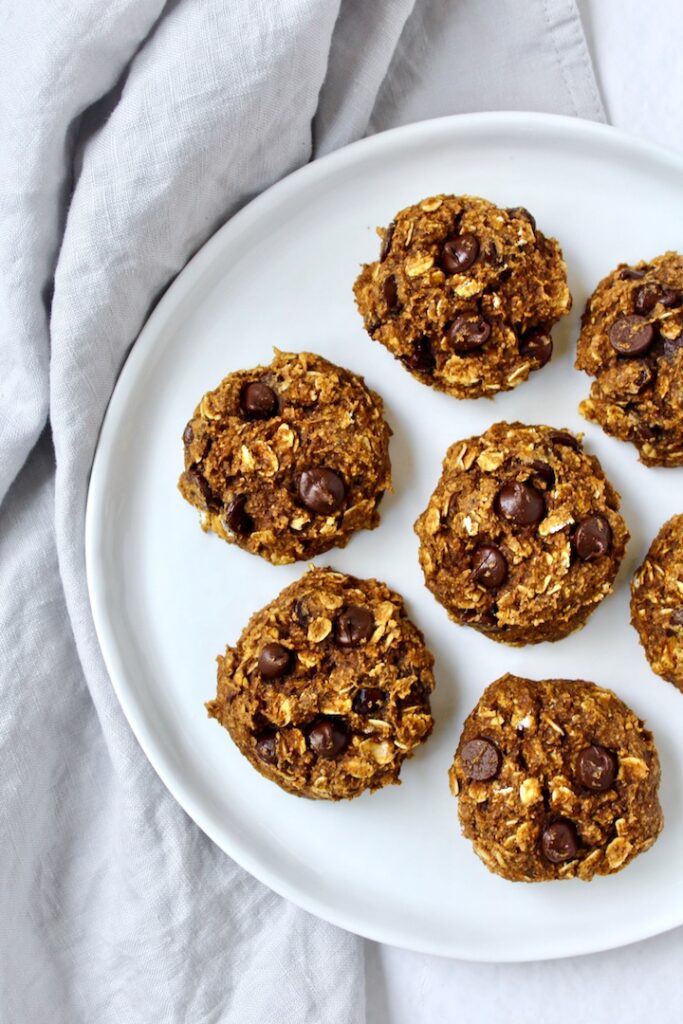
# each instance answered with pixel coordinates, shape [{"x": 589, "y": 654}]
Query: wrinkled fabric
[{"x": 131, "y": 131}]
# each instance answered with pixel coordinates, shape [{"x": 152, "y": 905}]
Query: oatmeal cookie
[
  {"x": 657, "y": 602},
  {"x": 327, "y": 691},
  {"x": 556, "y": 779},
  {"x": 464, "y": 294},
  {"x": 288, "y": 460},
  {"x": 631, "y": 342},
  {"x": 522, "y": 537}
]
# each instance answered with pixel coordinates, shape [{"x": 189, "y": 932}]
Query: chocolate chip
[
  {"x": 421, "y": 358},
  {"x": 631, "y": 274},
  {"x": 329, "y": 737},
  {"x": 202, "y": 484},
  {"x": 353, "y": 625},
  {"x": 631, "y": 335},
  {"x": 237, "y": 518},
  {"x": 596, "y": 768},
  {"x": 480, "y": 759},
  {"x": 592, "y": 538},
  {"x": 369, "y": 700},
  {"x": 671, "y": 298},
  {"x": 565, "y": 438},
  {"x": 491, "y": 254},
  {"x": 468, "y": 333},
  {"x": 265, "y": 747},
  {"x": 275, "y": 661},
  {"x": 544, "y": 472},
  {"x": 188, "y": 434},
  {"x": 258, "y": 401},
  {"x": 321, "y": 490},
  {"x": 676, "y": 618},
  {"x": 560, "y": 841},
  {"x": 520, "y": 503},
  {"x": 390, "y": 294},
  {"x": 521, "y": 211},
  {"x": 646, "y": 297},
  {"x": 537, "y": 345},
  {"x": 459, "y": 253},
  {"x": 386, "y": 242},
  {"x": 489, "y": 567}
]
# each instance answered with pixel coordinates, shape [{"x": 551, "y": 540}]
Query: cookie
[
  {"x": 327, "y": 691},
  {"x": 522, "y": 537},
  {"x": 555, "y": 779},
  {"x": 631, "y": 342},
  {"x": 657, "y": 602},
  {"x": 288, "y": 460},
  {"x": 464, "y": 294}
]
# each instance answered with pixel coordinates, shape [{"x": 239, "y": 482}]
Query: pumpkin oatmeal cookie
[
  {"x": 288, "y": 460},
  {"x": 522, "y": 537},
  {"x": 465, "y": 293},
  {"x": 327, "y": 690},
  {"x": 657, "y": 602},
  {"x": 556, "y": 779}
]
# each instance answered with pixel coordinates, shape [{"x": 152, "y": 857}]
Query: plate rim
[{"x": 241, "y": 852}]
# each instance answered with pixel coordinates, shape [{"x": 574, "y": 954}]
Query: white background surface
[{"x": 131, "y": 131}]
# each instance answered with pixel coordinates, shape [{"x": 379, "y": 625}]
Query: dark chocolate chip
[
  {"x": 631, "y": 335},
  {"x": 275, "y": 661},
  {"x": 631, "y": 274},
  {"x": 421, "y": 358},
  {"x": 489, "y": 567},
  {"x": 521, "y": 211},
  {"x": 329, "y": 737},
  {"x": 459, "y": 253},
  {"x": 258, "y": 401},
  {"x": 237, "y": 518},
  {"x": 353, "y": 625},
  {"x": 203, "y": 486},
  {"x": 491, "y": 253},
  {"x": 390, "y": 294},
  {"x": 677, "y": 617},
  {"x": 480, "y": 759},
  {"x": 537, "y": 345},
  {"x": 544, "y": 472},
  {"x": 265, "y": 747},
  {"x": 596, "y": 768},
  {"x": 188, "y": 434},
  {"x": 321, "y": 490},
  {"x": 646, "y": 297},
  {"x": 520, "y": 503},
  {"x": 560, "y": 841},
  {"x": 386, "y": 241},
  {"x": 468, "y": 333},
  {"x": 368, "y": 700},
  {"x": 565, "y": 438},
  {"x": 592, "y": 538},
  {"x": 671, "y": 298}
]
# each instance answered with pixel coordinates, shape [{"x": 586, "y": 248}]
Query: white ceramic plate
[{"x": 166, "y": 598}]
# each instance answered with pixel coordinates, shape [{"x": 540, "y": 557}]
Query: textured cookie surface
[
  {"x": 327, "y": 691},
  {"x": 657, "y": 602},
  {"x": 631, "y": 342},
  {"x": 522, "y": 537},
  {"x": 464, "y": 294},
  {"x": 556, "y": 779},
  {"x": 287, "y": 460}
]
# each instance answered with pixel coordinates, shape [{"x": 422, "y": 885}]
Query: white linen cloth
[{"x": 130, "y": 131}]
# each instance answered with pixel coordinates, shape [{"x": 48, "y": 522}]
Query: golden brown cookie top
[
  {"x": 327, "y": 690},
  {"x": 464, "y": 293},
  {"x": 631, "y": 342},
  {"x": 522, "y": 536},
  {"x": 288, "y": 460},
  {"x": 555, "y": 779},
  {"x": 657, "y": 602}
]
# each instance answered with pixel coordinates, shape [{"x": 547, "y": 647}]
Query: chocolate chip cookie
[
  {"x": 657, "y": 602},
  {"x": 288, "y": 460},
  {"x": 631, "y": 342},
  {"x": 327, "y": 691},
  {"x": 464, "y": 294},
  {"x": 522, "y": 537},
  {"x": 556, "y": 779}
]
